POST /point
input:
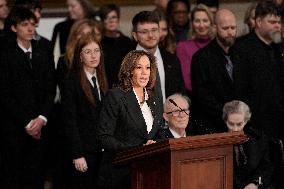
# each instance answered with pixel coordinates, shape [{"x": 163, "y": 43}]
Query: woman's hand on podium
[{"x": 150, "y": 142}]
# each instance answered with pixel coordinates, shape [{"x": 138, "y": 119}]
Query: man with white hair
[{"x": 176, "y": 114}]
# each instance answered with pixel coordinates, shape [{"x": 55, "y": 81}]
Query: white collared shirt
[
  {"x": 89, "y": 77},
  {"x": 146, "y": 111},
  {"x": 176, "y": 135},
  {"x": 26, "y": 50},
  {"x": 161, "y": 70}
]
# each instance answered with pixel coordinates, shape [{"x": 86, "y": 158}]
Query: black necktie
[
  {"x": 28, "y": 54},
  {"x": 96, "y": 93}
]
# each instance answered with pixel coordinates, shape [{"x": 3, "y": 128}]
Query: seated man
[
  {"x": 253, "y": 168},
  {"x": 176, "y": 115}
]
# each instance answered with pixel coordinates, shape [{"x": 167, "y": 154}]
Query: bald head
[
  {"x": 226, "y": 27},
  {"x": 224, "y": 14}
]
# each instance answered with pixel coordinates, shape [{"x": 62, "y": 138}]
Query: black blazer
[
  {"x": 173, "y": 76},
  {"x": 259, "y": 81},
  {"x": 211, "y": 88},
  {"x": 80, "y": 118},
  {"x": 62, "y": 31},
  {"x": 25, "y": 93},
  {"x": 121, "y": 127}
]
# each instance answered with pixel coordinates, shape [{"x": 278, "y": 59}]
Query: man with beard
[
  {"x": 259, "y": 71},
  {"x": 212, "y": 78},
  {"x": 259, "y": 75}
]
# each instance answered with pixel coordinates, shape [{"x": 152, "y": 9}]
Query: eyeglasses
[
  {"x": 89, "y": 51},
  {"x": 182, "y": 112},
  {"x": 147, "y": 32}
]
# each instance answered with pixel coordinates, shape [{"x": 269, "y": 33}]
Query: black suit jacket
[
  {"x": 80, "y": 118},
  {"x": 62, "y": 31},
  {"x": 259, "y": 81},
  {"x": 211, "y": 88},
  {"x": 25, "y": 93},
  {"x": 121, "y": 127},
  {"x": 173, "y": 76}
]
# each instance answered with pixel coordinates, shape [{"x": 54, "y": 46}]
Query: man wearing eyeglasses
[
  {"x": 146, "y": 33},
  {"x": 176, "y": 114}
]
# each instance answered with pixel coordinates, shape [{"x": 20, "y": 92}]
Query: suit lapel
[
  {"x": 156, "y": 115},
  {"x": 135, "y": 113},
  {"x": 22, "y": 60},
  {"x": 36, "y": 56}
]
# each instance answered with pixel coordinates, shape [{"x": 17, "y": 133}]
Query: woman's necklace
[{"x": 143, "y": 99}]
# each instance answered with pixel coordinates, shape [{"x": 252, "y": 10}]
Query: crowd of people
[{"x": 184, "y": 72}]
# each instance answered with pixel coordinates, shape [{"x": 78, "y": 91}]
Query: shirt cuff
[{"x": 43, "y": 118}]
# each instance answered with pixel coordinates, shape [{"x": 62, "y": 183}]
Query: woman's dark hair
[
  {"x": 106, "y": 9},
  {"x": 172, "y": 3},
  {"x": 128, "y": 65},
  {"x": 78, "y": 69}
]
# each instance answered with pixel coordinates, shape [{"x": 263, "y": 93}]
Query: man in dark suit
[
  {"x": 27, "y": 90},
  {"x": 146, "y": 33},
  {"x": 259, "y": 76},
  {"x": 212, "y": 78}
]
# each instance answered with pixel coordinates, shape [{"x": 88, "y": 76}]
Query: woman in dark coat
[
  {"x": 253, "y": 168},
  {"x": 129, "y": 116},
  {"x": 82, "y": 93}
]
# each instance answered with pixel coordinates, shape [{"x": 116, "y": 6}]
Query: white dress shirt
[
  {"x": 176, "y": 135},
  {"x": 146, "y": 111}
]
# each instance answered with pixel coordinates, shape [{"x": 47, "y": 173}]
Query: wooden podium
[{"x": 197, "y": 162}]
